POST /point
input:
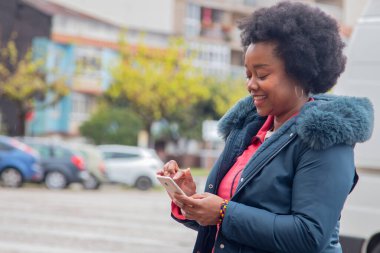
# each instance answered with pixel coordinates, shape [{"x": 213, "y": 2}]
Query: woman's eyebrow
[{"x": 257, "y": 66}]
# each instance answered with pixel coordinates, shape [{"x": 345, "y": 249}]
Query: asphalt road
[
  {"x": 113, "y": 219},
  {"x": 119, "y": 220}
]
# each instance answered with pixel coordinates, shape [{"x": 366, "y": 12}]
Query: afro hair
[{"x": 307, "y": 40}]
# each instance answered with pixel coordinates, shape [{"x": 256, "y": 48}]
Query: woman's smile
[{"x": 259, "y": 99}]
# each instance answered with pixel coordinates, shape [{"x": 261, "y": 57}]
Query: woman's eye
[{"x": 263, "y": 77}]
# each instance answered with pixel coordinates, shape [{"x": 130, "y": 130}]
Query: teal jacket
[{"x": 292, "y": 190}]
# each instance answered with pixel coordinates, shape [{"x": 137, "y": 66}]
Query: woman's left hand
[{"x": 203, "y": 208}]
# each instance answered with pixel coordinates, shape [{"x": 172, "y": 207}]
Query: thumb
[
  {"x": 198, "y": 196},
  {"x": 179, "y": 174},
  {"x": 187, "y": 173}
]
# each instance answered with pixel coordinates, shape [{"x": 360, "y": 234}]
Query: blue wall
[{"x": 60, "y": 62}]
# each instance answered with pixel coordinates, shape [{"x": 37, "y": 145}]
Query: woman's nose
[{"x": 252, "y": 85}]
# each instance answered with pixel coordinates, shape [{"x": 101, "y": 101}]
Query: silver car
[{"x": 133, "y": 166}]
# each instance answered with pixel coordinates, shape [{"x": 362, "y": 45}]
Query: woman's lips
[{"x": 259, "y": 99}]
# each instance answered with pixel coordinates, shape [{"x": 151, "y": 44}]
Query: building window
[
  {"x": 213, "y": 59},
  {"x": 82, "y": 106},
  {"x": 88, "y": 61},
  {"x": 192, "y": 21}
]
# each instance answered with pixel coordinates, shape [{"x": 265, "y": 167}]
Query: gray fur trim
[
  {"x": 235, "y": 116},
  {"x": 333, "y": 120},
  {"x": 328, "y": 120}
]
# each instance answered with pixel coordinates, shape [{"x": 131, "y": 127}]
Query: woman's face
[{"x": 272, "y": 89}]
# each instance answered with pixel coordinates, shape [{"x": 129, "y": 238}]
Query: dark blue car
[
  {"x": 61, "y": 164},
  {"x": 18, "y": 163}
]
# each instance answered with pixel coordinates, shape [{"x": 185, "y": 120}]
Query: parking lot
[{"x": 113, "y": 219}]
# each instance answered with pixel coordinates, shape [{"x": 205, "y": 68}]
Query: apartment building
[
  {"x": 209, "y": 26},
  {"x": 211, "y": 31},
  {"x": 81, "y": 48},
  {"x": 85, "y": 34}
]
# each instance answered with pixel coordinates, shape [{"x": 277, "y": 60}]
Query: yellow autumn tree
[
  {"x": 157, "y": 83},
  {"x": 22, "y": 80},
  {"x": 226, "y": 93}
]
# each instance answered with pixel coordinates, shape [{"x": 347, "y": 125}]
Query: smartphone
[{"x": 170, "y": 186}]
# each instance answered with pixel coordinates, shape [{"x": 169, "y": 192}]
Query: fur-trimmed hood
[{"x": 321, "y": 123}]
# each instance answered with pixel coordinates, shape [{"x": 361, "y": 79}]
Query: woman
[{"x": 288, "y": 164}]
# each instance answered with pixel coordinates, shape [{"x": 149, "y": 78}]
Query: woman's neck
[{"x": 280, "y": 120}]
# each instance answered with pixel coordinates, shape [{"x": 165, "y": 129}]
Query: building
[
  {"x": 81, "y": 48},
  {"x": 21, "y": 22},
  {"x": 84, "y": 35},
  {"x": 209, "y": 26}
]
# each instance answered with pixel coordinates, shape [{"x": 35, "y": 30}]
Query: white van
[{"x": 360, "y": 223}]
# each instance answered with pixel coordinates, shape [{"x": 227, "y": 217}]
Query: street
[
  {"x": 122, "y": 220},
  {"x": 113, "y": 219}
]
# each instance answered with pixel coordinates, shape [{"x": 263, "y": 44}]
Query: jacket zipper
[
  {"x": 292, "y": 137},
  {"x": 227, "y": 151}
]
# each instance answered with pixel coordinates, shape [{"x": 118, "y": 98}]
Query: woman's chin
[{"x": 262, "y": 113}]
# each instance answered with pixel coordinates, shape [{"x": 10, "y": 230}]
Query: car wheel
[
  {"x": 56, "y": 180},
  {"x": 91, "y": 183},
  {"x": 143, "y": 183},
  {"x": 11, "y": 177}
]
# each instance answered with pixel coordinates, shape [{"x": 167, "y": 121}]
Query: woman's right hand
[{"x": 183, "y": 178}]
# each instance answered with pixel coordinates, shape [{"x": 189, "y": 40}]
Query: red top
[{"x": 230, "y": 181}]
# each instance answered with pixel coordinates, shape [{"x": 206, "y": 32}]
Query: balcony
[
  {"x": 245, "y": 7},
  {"x": 216, "y": 31}
]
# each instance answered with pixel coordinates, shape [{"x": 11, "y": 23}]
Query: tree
[
  {"x": 157, "y": 83},
  {"x": 225, "y": 93},
  {"x": 112, "y": 125},
  {"x": 22, "y": 81}
]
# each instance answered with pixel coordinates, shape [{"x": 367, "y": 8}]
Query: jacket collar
[{"x": 322, "y": 123}]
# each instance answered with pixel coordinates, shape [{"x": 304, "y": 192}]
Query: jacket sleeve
[
  {"x": 177, "y": 216},
  {"x": 322, "y": 181},
  {"x": 188, "y": 223}
]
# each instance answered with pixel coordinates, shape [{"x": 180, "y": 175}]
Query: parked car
[
  {"x": 133, "y": 166},
  {"x": 19, "y": 163},
  {"x": 62, "y": 165},
  {"x": 95, "y": 166}
]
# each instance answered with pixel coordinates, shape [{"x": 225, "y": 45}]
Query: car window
[
  {"x": 59, "y": 152},
  {"x": 119, "y": 155},
  {"x": 44, "y": 151}
]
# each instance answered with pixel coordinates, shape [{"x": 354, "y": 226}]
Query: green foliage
[
  {"x": 112, "y": 125},
  {"x": 157, "y": 83},
  {"x": 22, "y": 80},
  {"x": 163, "y": 84},
  {"x": 224, "y": 94}
]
